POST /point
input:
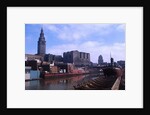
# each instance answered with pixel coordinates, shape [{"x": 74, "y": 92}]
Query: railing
[{"x": 116, "y": 84}]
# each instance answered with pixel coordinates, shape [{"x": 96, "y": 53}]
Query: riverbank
[
  {"x": 63, "y": 76},
  {"x": 33, "y": 79},
  {"x": 58, "y": 83}
]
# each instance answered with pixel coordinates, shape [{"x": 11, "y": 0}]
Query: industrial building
[{"x": 77, "y": 58}]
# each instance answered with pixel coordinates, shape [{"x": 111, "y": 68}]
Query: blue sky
[{"x": 96, "y": 39}]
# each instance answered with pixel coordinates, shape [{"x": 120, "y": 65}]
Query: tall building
[
  {"x": 41, "y": 44},
  {"x": 77, "y": 58},
  {"x": 100, "y": 59},
  {"x": 53, "y": 58},
  {"x": 112, "y": 62}
]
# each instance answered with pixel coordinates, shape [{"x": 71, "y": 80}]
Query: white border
[{"x": 18, "y": 97}]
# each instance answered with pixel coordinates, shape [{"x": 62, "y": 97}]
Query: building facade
[
  {"x": 33, "y": 57},
  {"x": 53, "y": 58},
  {"x": 112, "y": 62},
  {"x": 100, "y": 59},
  {"x": 77, "y": 58}
]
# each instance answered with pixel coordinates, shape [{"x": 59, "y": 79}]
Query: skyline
[{"x": 96, "y": 39}]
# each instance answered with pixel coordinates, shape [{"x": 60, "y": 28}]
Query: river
[{"x": 65, "y": 83}]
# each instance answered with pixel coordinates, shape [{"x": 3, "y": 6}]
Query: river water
[{"x": 65, "y": 83}]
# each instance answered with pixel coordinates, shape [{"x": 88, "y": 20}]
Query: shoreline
[{"x": 68, "y": 76}]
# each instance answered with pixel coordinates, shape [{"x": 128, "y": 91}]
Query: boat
[{"x": 49, "y": 75}]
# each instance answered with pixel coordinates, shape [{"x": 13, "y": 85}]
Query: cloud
[
  {"x": 94, "y": 48},
  {"x": 96, "y": 39},
  {"x": 79, "y": 31},
  {"x": 121, "y": 27}
]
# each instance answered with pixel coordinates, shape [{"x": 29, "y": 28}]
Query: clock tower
[{"x": 41, "y": 44}]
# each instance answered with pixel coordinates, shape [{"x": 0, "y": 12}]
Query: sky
[{"x": 96, "y": 39}]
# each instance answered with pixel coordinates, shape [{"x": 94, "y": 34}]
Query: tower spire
[
  {"x": 42, "y": 29},
  {"x": 42, "y": 34},
  {"x": 41, "y": 43}
]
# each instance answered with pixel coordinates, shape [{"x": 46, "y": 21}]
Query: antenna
[{"x": 110, "y": 55}]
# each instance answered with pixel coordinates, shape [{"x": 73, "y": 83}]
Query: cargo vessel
[{"x": 49, "y": 75}]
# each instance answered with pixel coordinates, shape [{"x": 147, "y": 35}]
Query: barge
[{"x": 49, "y": 75}]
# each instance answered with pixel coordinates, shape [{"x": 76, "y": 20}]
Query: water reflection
[{"x": 65, "y": 83}]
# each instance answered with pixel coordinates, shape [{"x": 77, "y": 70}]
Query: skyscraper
[
  {"x": 100, "y": 59},
  {"x": 111, "y": 61},
  {"x": 41, "y": 44}
]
